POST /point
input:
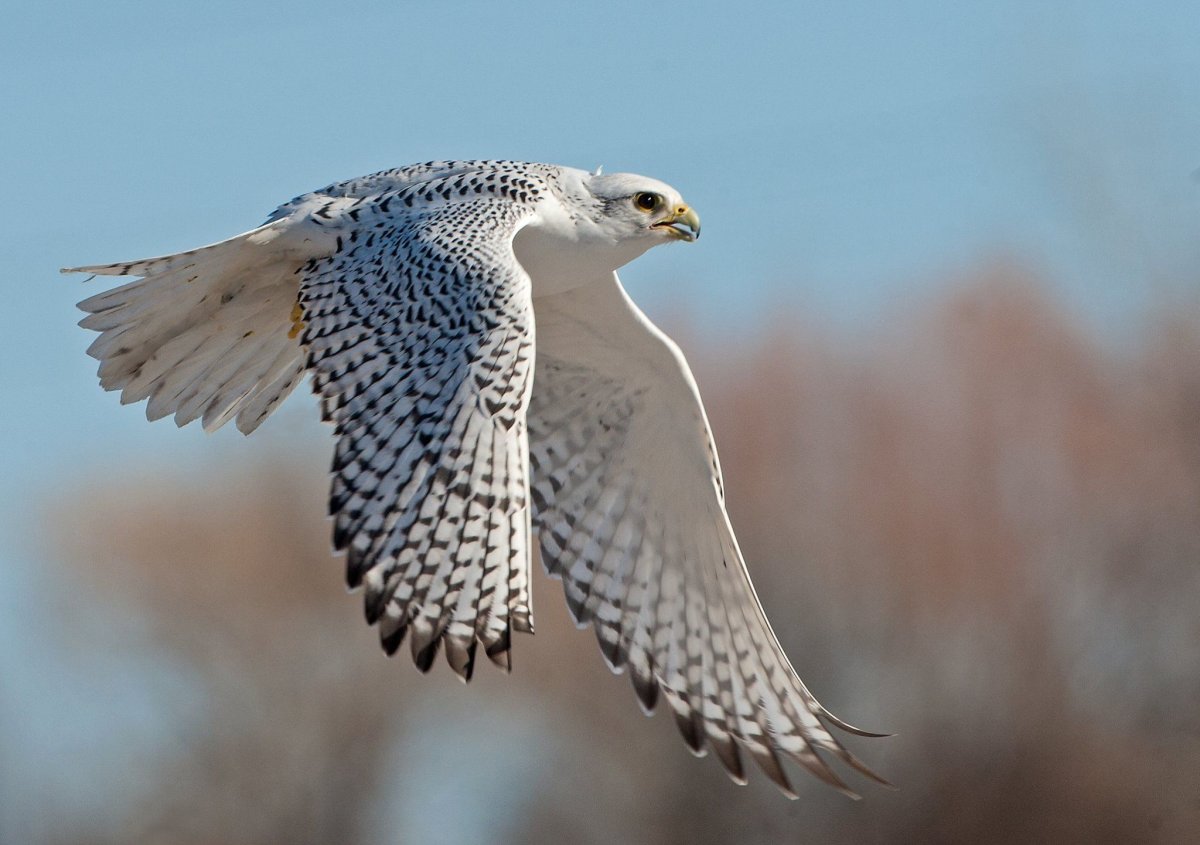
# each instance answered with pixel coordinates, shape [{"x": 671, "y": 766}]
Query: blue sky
[{"x": 844, "y": 157}]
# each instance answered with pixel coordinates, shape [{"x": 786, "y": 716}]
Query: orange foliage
[{"x": 979, "y": 527}]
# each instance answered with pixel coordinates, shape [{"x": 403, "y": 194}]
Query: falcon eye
[{"x": 647, "y": 201}]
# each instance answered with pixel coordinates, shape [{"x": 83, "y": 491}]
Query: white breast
[{"x": 561, "y": 251}]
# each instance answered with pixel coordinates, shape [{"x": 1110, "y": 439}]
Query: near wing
[
  {"x": 629, "y": 508},
  {"x": 420, "y": 340}
]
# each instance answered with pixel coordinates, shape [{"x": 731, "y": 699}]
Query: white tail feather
[{"x": 205, "y": 334}]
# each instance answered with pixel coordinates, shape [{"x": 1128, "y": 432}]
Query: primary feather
[{"x": 415, "y": 298}]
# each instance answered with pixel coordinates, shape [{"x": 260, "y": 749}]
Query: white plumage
[{"x": 416, "y": 298}]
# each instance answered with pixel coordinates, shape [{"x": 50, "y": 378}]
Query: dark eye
[{"x": 647, "y": 201}]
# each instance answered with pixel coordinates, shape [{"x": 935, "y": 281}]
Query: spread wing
[
  {"x": 418, "y": 330},
  {"x": 630, "y": 512}
]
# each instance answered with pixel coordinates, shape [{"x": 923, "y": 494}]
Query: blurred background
[{"x": 946, "y": 318}]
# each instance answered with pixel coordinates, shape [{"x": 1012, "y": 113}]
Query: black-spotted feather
[{"x": 419, "y": 338}]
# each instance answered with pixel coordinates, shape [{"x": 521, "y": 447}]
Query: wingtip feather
[
  {"x": 846, "y": 726},
  {"x": 768, "y": 761}
]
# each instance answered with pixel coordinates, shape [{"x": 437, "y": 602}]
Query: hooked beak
[{"x": 682, "y": 223}]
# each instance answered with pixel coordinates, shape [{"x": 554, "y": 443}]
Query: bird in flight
[{"x": 496, "y": 396}]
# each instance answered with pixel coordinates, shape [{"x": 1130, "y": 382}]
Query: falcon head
[
  {"x": 636, "y": 206},
  {"x": 598, "y": 223}
]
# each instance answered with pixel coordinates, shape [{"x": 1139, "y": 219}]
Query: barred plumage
[
  {"x": 415, "y": 298},
  {"x": 419, "y": 335}
]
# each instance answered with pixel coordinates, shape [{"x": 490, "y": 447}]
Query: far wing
[{"x": 629, "y": 508}]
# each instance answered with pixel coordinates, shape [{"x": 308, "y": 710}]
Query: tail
[{"x": 207, "y": 334}]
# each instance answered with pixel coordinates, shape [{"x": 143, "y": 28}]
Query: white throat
[{"x": 561, "y": 252}]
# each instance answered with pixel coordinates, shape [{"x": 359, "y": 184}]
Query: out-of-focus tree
[
  {"x": 230, "y": 573},
  {"x": 978, "y": 527}
]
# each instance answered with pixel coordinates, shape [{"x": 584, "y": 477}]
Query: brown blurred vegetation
[{"x": 978, "y": 527}]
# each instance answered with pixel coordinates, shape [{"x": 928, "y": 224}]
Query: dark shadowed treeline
[{"x": 976, "y": 526}]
